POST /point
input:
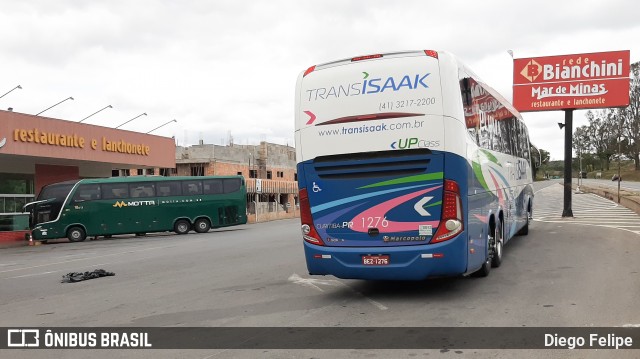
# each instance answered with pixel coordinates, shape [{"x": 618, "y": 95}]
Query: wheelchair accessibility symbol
[{"x": 316, "y": 188}]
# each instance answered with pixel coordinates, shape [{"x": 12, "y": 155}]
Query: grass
[{"x": 627, "y": 171}]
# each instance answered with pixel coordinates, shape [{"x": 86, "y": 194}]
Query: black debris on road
[{"x": 79, "y": 276}]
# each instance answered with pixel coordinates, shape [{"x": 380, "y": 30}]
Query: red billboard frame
[{"x": 578, "y": 81}]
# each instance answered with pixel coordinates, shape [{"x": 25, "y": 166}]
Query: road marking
[
  {"x": 588, "y": 210},
  {"x": 82, "y": 259},
  {"x": 311, "y": 282},
  {"x": 631, "y": 326}
]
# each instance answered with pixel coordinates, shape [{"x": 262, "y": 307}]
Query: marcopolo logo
[
  {"x": 370, "y": 86},
  {"x": 121, "y": 204}
]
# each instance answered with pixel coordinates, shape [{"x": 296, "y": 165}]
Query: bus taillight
[
  {"x": 309, "y": 70},
  {"x": 451, "y": 220},
  {"x": 309, "y": 232},
  {"x": 367, "y": 57},
  {"x": 431, "y": 53}
]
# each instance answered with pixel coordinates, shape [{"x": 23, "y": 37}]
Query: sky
[{"x": 227, "y": 69}]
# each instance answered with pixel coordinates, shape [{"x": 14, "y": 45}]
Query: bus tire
[
  {"x": 485, "y": 269},
  {"x": 202, "y": 225},
  {"x": 76, "y": 234},
  {"x": 182, "y": 226},
  {"x": 525, "y": 230},
  {"x": 497, "y": 245}
]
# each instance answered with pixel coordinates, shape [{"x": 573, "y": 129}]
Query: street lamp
[
  {"x": 48, "y": 108},
  {"x": 109, "y": 106},
  {"x": 17, "y": 87},
  {"x": 166, "y": 123},
  {"x": 142, "y": 114}
]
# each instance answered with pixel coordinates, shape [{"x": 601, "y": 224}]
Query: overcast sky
[{"x": 229, "y": 67}]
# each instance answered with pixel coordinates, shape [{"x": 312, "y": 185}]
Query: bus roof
[{"x": 134, "y": 179}]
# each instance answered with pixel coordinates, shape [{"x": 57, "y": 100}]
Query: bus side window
[
  {"x": 139, "y": 190},
  {"x": 213, "y": 186},
  {"x": 231, "y": 185},
  {"x": 87, "y": 192},
  {"x": 115, "y": 190},
  {"x": 191, "y": 187},
  {"x": 166, "y": 189}
]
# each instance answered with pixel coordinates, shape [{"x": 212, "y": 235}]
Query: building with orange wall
[{"x": 36, "y": 151}]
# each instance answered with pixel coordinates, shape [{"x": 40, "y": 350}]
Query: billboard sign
[{"x": 580, "y": 81}]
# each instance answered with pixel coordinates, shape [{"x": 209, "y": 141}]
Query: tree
[
  {"x": 545, "y": 156},
  {"x": 629, "y": 118},
  {"x": 601, "y": 133}
]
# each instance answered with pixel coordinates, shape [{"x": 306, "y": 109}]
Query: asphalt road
[
  {"x": 627, "y": 185},
  {"x": 561, "y": 274}
]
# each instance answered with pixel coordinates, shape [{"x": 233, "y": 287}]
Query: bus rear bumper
[{"x": 405, "y": 262}]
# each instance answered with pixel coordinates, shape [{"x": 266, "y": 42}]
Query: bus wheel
[
  {"x": 202, "y": 225},
  {"x": 497, "y": 243},
  {"x": 525, "y": 230},
  {"x": 182, "y": 226},
  {"x": 485, "y": 269},
  {"x": 76, "y": 234}
]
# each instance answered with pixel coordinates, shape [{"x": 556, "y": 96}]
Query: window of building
[
  {"x": 115, "y": 173},
  {"x": 253, "y": 173},
  {"x": 151, "y": 171},
  {"x": 269, "y": 175},
  {"x": 239, "y": 173},
  {"x": 140, "y": 171},
  {"x": 280, "y": 174},
  {"x": 295, "y": 176},
  {"x": 197, "y": 169},
  {"x": 125, "y": 172}
]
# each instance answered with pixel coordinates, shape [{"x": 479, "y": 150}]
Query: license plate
[{"x": 381, "y": 260}]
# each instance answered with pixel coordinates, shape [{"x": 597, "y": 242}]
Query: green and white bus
[{"x": 122, "y": 205}]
